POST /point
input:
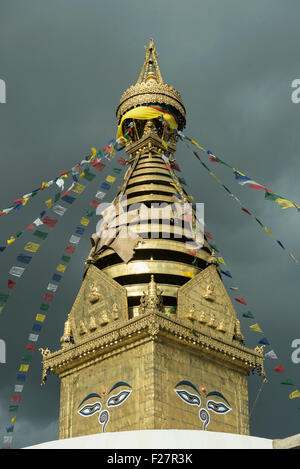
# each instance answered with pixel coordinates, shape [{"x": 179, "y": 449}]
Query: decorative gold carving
[
  {"x": 212, "y": 321},
  {"x": 82, "y": 328},
  {"x": 92, "y": 324},
  {"x": 152, "y": 300},
  {"x": 191, "y": 313},
  {"x": 208, "y": 294},
  {"x": 221, "y": 327},
  {"x": 67, "y": 335},
  {"x": 212, "y": 258},
  {"x": 202, "y": 317},
  {"x": 95, "y": 294},
  {"x": 238, "y": 332}
]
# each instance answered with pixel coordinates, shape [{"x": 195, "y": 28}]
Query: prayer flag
[
  {"x": 33, "y": 337},
  {"x": 294, "y": 394},
  {"x": 40, "y": 234},
  {"x": 279, "y": 369},
  {"x": 31, "y": 247},
  {"x": 264, "y": 341},
  {"x": 99, "y": 166},
  {"x": 100, "y": 195},
  {"x": 79, "y": 230},
  {"x": 49, "y": 203},
  {"x": 246, "y": 211},
  {"x": 27, "y": 357},
  {"x": 30, "y": 347},
  {"x": 48, "y": 221},
  {"x": 52, "y": 287},
  {"x": 10, "y": 429},
  {"x": 110, "y": 179},
  {"x": 13, "y": 408},
  {"x": 226, "y": 272},
  {"x": 24, "y": 259},
  {"x": 288, "y": 382},
  {"x": 44, "y": 307},
  {"x": 19, "y": 387},
  {"x": 56, "y": 197},
  {"x": 94, "y": 203},
  {"x": 269, "y": 232},
  {"x": 4, "y": 297},
  {"x": 89, "y": 176},
  {"x": 65, "y": 258},
  {"x": 241, "y": 300},
  {"x": 21, "y": 377},
  {"x": 36, "y": 328},
  {"x": 15, "y": 398},
  {"x": 48, "y": 297},
  {"x": 189, "y": 274},
  {"x": 248, "y": 314},
  {"x": 69, "y": 249},
  {"x": 122, "y": 161},
  {"x": 61, "y": 268},
  {"x": 68, "y": 199},
  {"x": 11, "y": 240},
  {"x": 105, "y": 186},
  {"x": 284, "y": 203},
  {"x": 78, "y": 188},
  {"x": 208, "y": 235},
  {"x": 24, "y": 368},
  {"x": 11, "y": 284},
  {"x": 59, "y": 210},
  {"x": 16, "y": 271},
  {"x": 56, "y": 277},
  {"x": 221, "y": 260},
  {"x": 255, "y": 328},
  {"x": 40, "y": 317},
  {"x": 280, "y": 244},
  {"x": 84, "y": 221},
  {"x": 74, "y": 239}
]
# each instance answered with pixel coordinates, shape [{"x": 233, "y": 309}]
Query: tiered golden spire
[{"x": 150, "y": 60}]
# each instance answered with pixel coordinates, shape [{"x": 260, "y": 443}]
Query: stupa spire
[{"x": 147, "y": 72}]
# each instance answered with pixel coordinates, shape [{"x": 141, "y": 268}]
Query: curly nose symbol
[{"x": 104, "y": 418}]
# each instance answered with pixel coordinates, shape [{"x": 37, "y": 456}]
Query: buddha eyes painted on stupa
[
  {"x": 195, "y": 399},
  {"x": 97, "y": 406}
]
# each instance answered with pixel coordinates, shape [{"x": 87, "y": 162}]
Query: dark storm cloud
[{"x": 65, "y": 64}]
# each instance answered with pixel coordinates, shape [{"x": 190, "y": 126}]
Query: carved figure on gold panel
[{"x": 208, "y": 294}]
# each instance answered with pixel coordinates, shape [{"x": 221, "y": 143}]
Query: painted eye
[
  {"x": 90, "y": 409},
  {"x": 191, "y": 399},
  {"x": 218, "y": 407},
  {"x": 118, "y": 398}
]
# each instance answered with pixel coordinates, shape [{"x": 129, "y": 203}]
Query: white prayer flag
[{"x": 16, "y": 271}]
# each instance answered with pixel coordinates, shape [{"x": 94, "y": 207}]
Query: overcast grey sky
[{"x": 65, "y": 64}]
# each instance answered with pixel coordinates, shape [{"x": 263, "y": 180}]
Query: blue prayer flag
[
  {"x": 56, "y": 277},
  {"x": 23, "y": 258},
  {"x": 226, "y": 272},
  {"x": 68, "y": 199}
]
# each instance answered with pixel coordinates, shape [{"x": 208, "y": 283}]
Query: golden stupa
[{"x": 146, "y": 346}]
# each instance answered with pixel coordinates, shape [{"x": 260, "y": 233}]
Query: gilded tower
[{"x": 152, "y": 340}]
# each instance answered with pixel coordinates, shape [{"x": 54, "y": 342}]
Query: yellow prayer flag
[
  {"x": 24, "y": 201},
  {"x": 284, "y": 203},
  {"x": 78, "y": 188},
  {"x": 61, "y": 268},
  {"x": 84, "y": 221},
  {"x": 31, "y": 247},
  {"x": 268, "y": 231},
  {"x": 82, "y": 175},
  {"x": 11, "y": 240},
  {"x": 215, "y": 177},
  {"x": 221, "y": 260},
  {"x": 255, "y": 328},
  {"x": 44, "y": 185},
  {"x": 174, "y": 185},
  {"x": 110, "y": 179},
  {"x": 1, "y": 308},
  {"x": 294, "y": 394},
  {"x": 191, "y": 198},
  {"x": 40, "y": 317},
  {"x": 94, "y": 153},
  {"x": 48, "y": 203},
  {"x": 13, "y": 420},
  {"x": 164, "y": 144},
  {"x": 24, "y": 368},
  {"x": 189, "y": 274},
  {"x": 197, "y": 145},
  {"x": 239, "y": 172}
]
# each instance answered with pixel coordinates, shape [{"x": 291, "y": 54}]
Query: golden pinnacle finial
[{"x": 147, "y": 72}]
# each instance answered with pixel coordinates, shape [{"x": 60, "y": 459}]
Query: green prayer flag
[
  {"x": 213, "y": 246},
  {"x": 13, "y": 408},
  {"x": 40, "y": 234},
  {"x": 65, "y": 258},
  {"x": 44, "y": 307},
  {"x": 117, "y": 170},
  {"x": 194, "y": 261},
  {"x": 26, "y": 357},
  {"x": 248, "y": 314},
  {"x": 56, "y": 197},
  {"x": 19, "y": 234},
  {"x": 182, "y": 180},
  {"x": 90, "y": 213},
  {"x": 288, "y": 381},
  {"x": 258, "y": 221},
  {"x": 4, "y": 297},
  {"x": 271, "y": 196},
  {"x": 89, "y": 176}
]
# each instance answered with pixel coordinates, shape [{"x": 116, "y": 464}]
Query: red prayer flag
[
  {"x": 70, "y": 249},
  {"x": 31, "y": 227},
  {"x": 256, "y": 186},
  {"x": 167, "y": 166},
  {"x": 192, "y": 253},
  {"x": 48, "y": 297},
  {"x": 122, "y": 161},
  {"x": 246, "y": 211},
  {"x": 11, "y": 284},
  {"x": 279, "y": 369},
  {"x": 94, "y": 203},
  {"x": 208, "y": 235},
  {"x": 48, "y": 221},
  {"x": 18, "y": 201},
  {"x": 197, "y": 156},
  {"x": 16, "y": 398},
  {"x": 98, "y": 166},
  {"x": 176, "y": 167},
  {"x": 241, "y": 300},
  {"x": 30, "y": 347}
]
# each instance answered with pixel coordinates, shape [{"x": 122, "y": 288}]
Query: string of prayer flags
[
  {"x": 233, "y": 197},
  {"x": 243, "y": 179}
]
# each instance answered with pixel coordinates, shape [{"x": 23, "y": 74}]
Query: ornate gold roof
[{"x": 150, "y": 88}]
